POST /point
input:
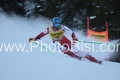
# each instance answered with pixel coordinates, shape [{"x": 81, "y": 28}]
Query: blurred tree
[
  {"x": 10, "y": 6},
  {"x": 107, "y": 10},
  {"x": 73, "y": 13}
]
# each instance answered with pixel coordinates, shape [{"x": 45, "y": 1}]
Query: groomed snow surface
[{"x": 42, "y": 65}]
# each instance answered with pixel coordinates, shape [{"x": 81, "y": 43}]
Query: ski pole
[
  {"x": 95, "y": 42},
  {"x": 43, "y": 47},
  {"x": 89, "y": 42}
]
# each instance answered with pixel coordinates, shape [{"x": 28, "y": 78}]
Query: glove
[
  {"x": 75, "y": 40},
  {"x": 31, "y": 39}
]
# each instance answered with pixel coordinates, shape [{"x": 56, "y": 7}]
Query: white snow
[{"x": 37, "y": 65}]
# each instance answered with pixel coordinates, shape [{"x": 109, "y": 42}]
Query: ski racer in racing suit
[{"x": 57, "y": 34}]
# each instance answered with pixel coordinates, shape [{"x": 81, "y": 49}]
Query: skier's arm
[
  {"x": 67, "y": 30},
  {"x": 42, "y": 34}
]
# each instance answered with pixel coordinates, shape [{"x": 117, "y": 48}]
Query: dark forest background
[{"x": 72, "y": 12}]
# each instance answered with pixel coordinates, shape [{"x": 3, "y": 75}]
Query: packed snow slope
[{"x": 24, "y": 64}]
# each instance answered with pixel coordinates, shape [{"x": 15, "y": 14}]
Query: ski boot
[
  {"x": 99, "y": 62},
  {"x": 78, "y": 57}
]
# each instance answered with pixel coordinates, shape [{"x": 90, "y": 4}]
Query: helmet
[{"x": 56, "y": 22}]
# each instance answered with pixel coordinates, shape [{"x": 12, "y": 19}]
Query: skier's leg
[
  {"x": 89, "y": 57},
  {"x": 70, "y": 53},
  {"x": 65, "y": 50},
  {"x": 78, "y": 52},
  {"x": 66, "y": 46}
]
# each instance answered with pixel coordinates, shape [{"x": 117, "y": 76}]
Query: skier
[{"x": 57, "y": 34}]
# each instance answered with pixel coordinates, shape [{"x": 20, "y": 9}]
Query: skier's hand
[
  {"x": 31, "y": 39},
  {"x": 75, "y": 40}
]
